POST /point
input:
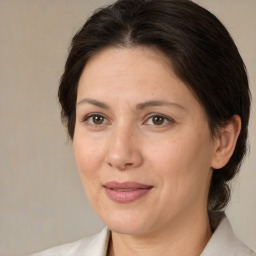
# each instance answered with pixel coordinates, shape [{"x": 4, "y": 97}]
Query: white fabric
[{"x": 222, "y": 243}]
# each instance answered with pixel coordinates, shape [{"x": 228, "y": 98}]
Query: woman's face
[{"x": 142, "y": 142}]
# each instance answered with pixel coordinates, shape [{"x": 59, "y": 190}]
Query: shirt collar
[{"x": 222, "y": 243}]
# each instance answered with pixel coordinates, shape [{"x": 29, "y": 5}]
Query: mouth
[{"x": 126, "y": 192}]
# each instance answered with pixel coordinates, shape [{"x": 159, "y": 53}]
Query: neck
[{"x": 189, "y": 237}]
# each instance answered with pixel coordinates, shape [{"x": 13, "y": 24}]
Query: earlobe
[{"x": 225, "y": 142}]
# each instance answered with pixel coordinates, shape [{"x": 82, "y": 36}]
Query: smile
[{"x": 126, "y": 192}]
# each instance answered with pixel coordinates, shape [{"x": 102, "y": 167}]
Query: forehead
[
  {"x": 132, "y": 73},
  {"x": 124, "y": 59},
  {"x": 127, "y": 64}
]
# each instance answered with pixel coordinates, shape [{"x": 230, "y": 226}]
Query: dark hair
[{"x": 202, "y": 53}]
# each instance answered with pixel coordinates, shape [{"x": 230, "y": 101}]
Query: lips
[{"x": 126, "y": 192}]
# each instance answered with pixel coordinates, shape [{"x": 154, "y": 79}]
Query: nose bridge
[
  {"x": 123, "y": 151},
  {"x": 121, "y": 135}
]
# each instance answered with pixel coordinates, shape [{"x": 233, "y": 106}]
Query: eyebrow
[
  {"x": 140, "y": 106},
  {"x": 156, "y": 103},
  {"x": 94, "y": 102}
]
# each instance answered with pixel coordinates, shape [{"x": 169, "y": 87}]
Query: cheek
[
  {"x": 89, "y": 156},
  {"x": 182, "y": 165}
]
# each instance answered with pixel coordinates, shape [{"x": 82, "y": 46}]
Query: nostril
[
  {"x": 120, "y": 166},
  {"x": 123, "y": 158}
]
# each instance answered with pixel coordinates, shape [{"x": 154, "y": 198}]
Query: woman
[{"x": 155, "y": 98}]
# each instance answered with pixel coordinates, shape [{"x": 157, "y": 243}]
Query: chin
[
  {"x": 128, "y": 229},
  {"x": 130, "y": 224}
]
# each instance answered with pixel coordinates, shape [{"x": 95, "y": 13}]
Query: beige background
[{"x": 42, "y": 203}]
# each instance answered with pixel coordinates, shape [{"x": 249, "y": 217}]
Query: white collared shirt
[{"x": 222, "y": 243}]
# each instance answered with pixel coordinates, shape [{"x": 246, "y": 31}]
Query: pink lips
[{"x": 126, "y": 192}]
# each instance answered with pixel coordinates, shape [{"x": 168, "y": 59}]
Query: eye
[
  {"x": 95, "y": 119},
  {"x": 159, "y": 120}
]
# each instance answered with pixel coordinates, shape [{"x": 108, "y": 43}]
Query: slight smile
[{"x": 126, "y": 192}]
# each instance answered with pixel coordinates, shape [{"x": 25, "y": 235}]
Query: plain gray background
[{"x": 42, "y": 203}]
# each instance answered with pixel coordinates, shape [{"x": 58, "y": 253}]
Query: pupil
[
  {"x": 158, "y": 120},
  {"x": 98, "y": 119}
]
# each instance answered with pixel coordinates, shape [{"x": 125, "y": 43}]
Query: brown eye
[
  {"x": 158, "y": 120},
  {"x": 98, "y": 120},
  {"x": 95, "y": 119}
]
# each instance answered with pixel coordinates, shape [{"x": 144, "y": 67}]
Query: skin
[{"x": 175, "y": 155}]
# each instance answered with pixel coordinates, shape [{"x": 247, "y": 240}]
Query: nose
[{"x": 123, "y": 150}]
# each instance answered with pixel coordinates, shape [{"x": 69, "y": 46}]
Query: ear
[{"x": 225, "y": 142}]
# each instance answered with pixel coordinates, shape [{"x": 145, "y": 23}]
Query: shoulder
[
  {"x": 224, "y": 242},
  {"x": 93, "y": 245}
]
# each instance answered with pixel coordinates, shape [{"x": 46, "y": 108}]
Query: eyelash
[
  {"x": 166, "y": 120},
  {"x": 87, "y": 119}
]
